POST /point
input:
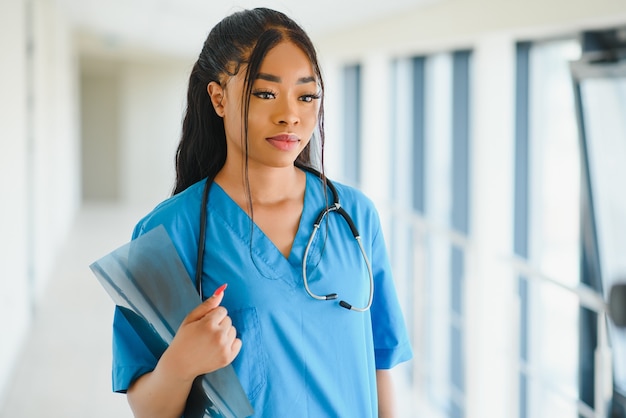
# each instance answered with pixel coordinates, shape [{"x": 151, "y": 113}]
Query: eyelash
[{"x": 263, "y": 94}]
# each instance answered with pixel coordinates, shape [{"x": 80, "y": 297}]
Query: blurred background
[{"x": 491, "y": 135}]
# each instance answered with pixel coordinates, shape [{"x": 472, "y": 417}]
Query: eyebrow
[{"x": 276, "y": 79}]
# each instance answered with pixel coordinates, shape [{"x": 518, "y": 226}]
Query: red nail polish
[{"x": 220, "y": 290}]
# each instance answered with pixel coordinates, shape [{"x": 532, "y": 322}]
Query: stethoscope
[{"x": 334, "y": 207}]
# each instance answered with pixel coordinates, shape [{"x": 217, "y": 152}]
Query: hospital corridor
[
  {"x": 489, "y": 135},
  {"x": 64, "y": 366}
]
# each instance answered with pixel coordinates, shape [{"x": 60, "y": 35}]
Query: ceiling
[{"x": 180, "y": 26}]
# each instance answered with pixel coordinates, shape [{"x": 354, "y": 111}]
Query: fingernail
[{"x": 220, "y": 290}]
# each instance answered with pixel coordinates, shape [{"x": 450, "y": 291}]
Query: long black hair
[{"x": 241, "y": 40}]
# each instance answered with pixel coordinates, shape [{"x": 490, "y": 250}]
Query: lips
[{"x": 284, "y": 142}]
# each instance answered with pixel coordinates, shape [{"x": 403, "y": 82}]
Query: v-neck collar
[{"x": 268, "y": 258}]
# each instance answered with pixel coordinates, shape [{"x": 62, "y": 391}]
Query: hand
[{"x": 206, "y": 340}]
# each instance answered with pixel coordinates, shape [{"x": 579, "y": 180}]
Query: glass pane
[
  {"x": 604, "y": 115},
  {"x": 555, "y": 157},
  {"x": 554, "y": 230}
]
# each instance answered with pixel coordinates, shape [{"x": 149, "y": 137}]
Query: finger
[
  {"x": 215, "y": 318},
  {"x": 226, "y": 322},
  {"x": 227, "y": 329},
  {"x": 206, "y": 306},
  {"x": 235, "y": 347}
]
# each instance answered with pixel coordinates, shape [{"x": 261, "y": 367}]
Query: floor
[{"x": 65, "y": 365}]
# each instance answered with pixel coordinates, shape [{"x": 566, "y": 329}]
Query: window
[
  {"x": 547, "y": 216},
  {"x": 600, "y": 87},
  {"x": 432, "y": 193}
]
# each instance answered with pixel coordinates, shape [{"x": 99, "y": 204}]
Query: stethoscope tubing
[{"x": 334, "y": 207}]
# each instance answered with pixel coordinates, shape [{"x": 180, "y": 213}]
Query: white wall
[
  {"x": 131, "y": 126},
  {"x": 55, "y": 159},
  {"x": 14, "y": 286},
  {"x": 153, "y": 101},
  {"x": 100, "y": 132},
  {"x": 38, "y": 160}
]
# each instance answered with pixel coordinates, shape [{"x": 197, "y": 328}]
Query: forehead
[
  {"x": 286, "y": 62},
  {"x": 287, "y": 58}
]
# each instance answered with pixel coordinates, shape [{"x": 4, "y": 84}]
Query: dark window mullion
[
  {"x": 522, "y": 205},
  {"x": 419, "y": 132},
  {"x": 352, "y": 123},
  {"x": 459, "y": 216}
]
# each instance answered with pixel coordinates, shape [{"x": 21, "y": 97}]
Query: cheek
[
  {"x": 256, "y": 123},
  {"x": 233, "y": 129},
  {"x": 308, "y": 114},
  {"x": 310, "y": 119}
]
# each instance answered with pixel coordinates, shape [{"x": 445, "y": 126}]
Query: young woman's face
[{"x": 283, "y": 108}]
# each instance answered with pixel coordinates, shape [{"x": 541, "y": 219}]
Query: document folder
[{"x": 149, "y": 283}]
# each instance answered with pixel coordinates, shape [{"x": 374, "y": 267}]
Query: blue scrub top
[{"x": 300, "y": 356}]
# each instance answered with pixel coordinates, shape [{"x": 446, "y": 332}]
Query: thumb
[{"x": 206, "y": 306}]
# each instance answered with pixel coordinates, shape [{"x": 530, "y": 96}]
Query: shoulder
[
  {"x": 353, "y": 200},
  {"x": 180, "y": 210},
  {"x": 349, "y": 195},
  {"x": 359, "y": 207}
]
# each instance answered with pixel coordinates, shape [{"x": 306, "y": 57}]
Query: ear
[{"x": 216, "y": 93}]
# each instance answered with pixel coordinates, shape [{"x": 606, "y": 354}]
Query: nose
[{"x": 286, "y": 112}]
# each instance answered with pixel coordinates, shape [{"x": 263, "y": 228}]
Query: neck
[{"x": 267, "y": 185}]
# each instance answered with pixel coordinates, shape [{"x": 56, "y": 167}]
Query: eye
[
  {"x": 264, "y": 94},
  {"x": 308, "y": 98}
]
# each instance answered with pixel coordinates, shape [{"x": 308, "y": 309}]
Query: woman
[{"x": 254, "y": 105}]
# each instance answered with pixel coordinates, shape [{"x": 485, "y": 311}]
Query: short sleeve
[
  {"x": 131, "y": 357},
  {"x": 391, "y": 342}
]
